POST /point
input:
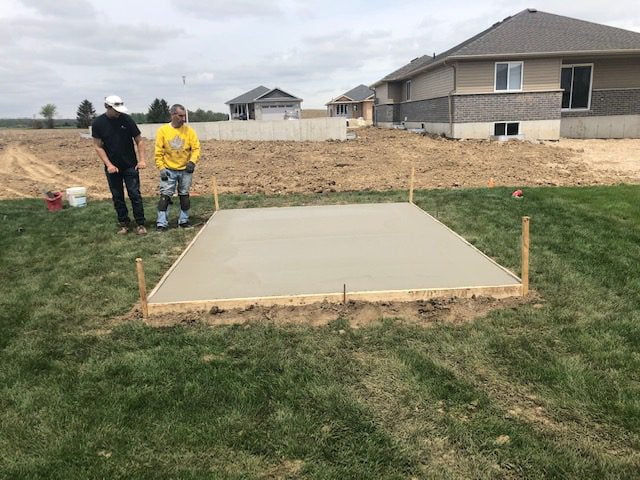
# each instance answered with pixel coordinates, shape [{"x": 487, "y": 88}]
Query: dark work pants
[{"x": 131, "y": 179}]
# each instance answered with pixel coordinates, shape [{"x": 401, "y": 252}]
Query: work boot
[
  {"x": 161, "y": 228},
  {"x": 140, "y": 230},
  {"x": 123, "y": 230},
  {"x": 185, "y": 225}
]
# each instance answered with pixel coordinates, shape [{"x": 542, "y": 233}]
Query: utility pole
[{"x": 184, "y": 96}]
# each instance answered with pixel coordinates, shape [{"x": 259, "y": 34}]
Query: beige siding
[
  {"x": 479, "y": 77},
  {"x": 542, "y": 74},
  {"x": 403, "y": 95},
  {"x": 382, "y": 93},
  {"x": 474, "y": 77},
  {"x": 433, "y": 84},
  {"x": 396, "y": 90},
  {"x": 616, "y": 73}
]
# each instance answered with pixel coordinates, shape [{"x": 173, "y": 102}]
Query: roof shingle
[{"x": 532, "y": 32}]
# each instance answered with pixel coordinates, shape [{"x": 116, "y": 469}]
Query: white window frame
[
  {"x": 572, "y": 65},
  {"x": 493, "y": 130},
  {"x": 341, "y": 109},
  {"x": 508, "y": 89},
  {"x": 407, "y": 90}
]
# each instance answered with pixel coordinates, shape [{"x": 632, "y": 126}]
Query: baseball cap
[{"x": 116, "y": 103}]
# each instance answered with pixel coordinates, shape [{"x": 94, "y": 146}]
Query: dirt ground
[
  {"x": 34, "y": 161},
  {"x": 426, "y": 313}
]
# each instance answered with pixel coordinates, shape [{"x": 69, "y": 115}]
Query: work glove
[
  {"x": 190, "y": 167},
  {"x": 164, "y": 174}
]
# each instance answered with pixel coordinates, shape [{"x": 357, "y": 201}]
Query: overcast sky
[{"x": 63, "y": 51}]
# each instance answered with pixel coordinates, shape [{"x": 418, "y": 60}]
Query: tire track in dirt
[{"x": 28, "y": 175}]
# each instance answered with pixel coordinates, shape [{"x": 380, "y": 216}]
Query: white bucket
[{"x": 77, "y": 196}]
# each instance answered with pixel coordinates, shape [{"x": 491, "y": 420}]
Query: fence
[{"x": 313, "y": 130}]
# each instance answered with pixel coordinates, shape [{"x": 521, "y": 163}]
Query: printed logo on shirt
[
  {"x": 176, "y": 143},
  {"x": 123, "y": 127}
]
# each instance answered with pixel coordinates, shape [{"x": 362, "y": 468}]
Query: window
[
  {"x": 508, "y": 129},
  {"x": 508, "y": 76},
  {"x": 355, "y": 108},
  {"x": 575, "y": 80},
  {"x": 341, "y": 109},
  {"x": 408, "y": 90}
]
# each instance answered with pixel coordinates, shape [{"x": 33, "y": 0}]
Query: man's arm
[
  {"x": 102, "y": 154},
  {"x": 159, "y": 150},
  {"x": 195, "y": 147},
  {"x": 142, "y": 162}
]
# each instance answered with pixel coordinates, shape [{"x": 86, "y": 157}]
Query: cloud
[
  {"x": 66, "y": 50},
  {"x": 62, "y": 8},
  {"x": 228, "y": 9}
]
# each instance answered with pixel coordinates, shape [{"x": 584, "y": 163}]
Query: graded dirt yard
[{"x": 34, "y": 161}]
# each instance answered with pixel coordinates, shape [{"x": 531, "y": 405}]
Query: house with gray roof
[
  {"x": 356, "y": 103},
  {"x": 263, "y": 103},
  {"x": 534, "y": 75}
]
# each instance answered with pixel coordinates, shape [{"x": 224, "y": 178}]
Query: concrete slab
[{"x": 297, "y": 255}]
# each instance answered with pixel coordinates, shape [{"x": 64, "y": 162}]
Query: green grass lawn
[{"x": 550, "y": 389}]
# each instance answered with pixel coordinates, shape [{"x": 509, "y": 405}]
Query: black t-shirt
[{"x": 117, "y": 136}]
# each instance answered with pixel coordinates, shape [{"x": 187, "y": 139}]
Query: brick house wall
[
  {"x": 610, "y": 102},
  {"x": 497, "y": 107},
  {"x": 435, "y": 110}
]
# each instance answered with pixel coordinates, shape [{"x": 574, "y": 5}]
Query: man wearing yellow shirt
[{"x": 177, "y": 152}]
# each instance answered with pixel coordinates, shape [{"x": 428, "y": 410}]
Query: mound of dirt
[{"x": 35, "y": 161}]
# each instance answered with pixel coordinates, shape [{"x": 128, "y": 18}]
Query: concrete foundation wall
[
  {"x": 430, "y": 127},
  {"x": 313, "y": 130},
  {"x": 530, "y": 130},
  {"x": 612, "y": 126}
]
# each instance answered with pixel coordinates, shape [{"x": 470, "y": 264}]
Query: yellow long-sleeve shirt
[{"x": 176, "y": 146}]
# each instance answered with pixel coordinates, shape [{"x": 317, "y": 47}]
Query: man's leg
[
  {"x": 167, "y": 187},
  {"x": 184, "y": 186},
  {"x": 132, "y": 182},
  {"x": 115, "y": 181}
]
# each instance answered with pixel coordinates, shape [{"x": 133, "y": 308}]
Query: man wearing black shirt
[{"x": 114, "y": 133}]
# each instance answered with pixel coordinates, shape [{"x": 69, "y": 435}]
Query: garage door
[{"x": 273, "y": 112}]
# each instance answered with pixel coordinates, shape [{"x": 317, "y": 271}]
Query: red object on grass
[
  {"x": 54, "y": 203},
  {"x": 517, "y": 194}
]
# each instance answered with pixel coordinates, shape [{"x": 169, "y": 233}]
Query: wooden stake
[
  {"x": 344, "y": 293},
  {"x": 413, "y": 174},
  {"x": 525, "y": 256},
  {"x": 215, "y": 193},
  {"x": 142, "y": 287}
]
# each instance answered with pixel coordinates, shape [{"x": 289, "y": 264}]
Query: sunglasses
[{"x": 117, "y": 104}]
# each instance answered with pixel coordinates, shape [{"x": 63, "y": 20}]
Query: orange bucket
[{"x": 54, "y": 203}]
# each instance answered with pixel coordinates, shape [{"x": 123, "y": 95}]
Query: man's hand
[
  {"x": 190, "y": 167},
  {"x": 111, "y": 168},
  {"x": 141, "y": 164},
  {"x": 164, "y": 174}
]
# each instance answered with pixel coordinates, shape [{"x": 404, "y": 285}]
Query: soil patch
[
  {"x": 359, "y": 314},
  {"x": 377, "y": 159}
]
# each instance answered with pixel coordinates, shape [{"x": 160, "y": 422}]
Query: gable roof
[
  {"x": 357, "y": 94},
  {"x": 249, "y": 96},
  {"x": 276, "y": 94},
  {"x": 531, "y": 32}
]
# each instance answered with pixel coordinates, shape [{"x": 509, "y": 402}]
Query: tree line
[{"x": 158, "y": 112}]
